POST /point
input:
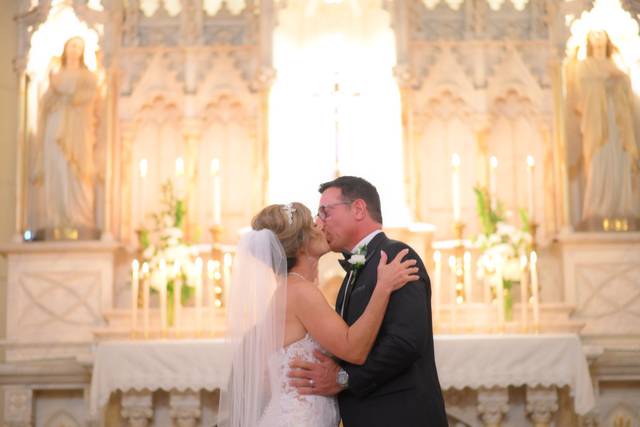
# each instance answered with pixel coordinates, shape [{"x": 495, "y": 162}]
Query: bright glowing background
[
  {"x": 309, "y": 52},
  {"x": 608, "y": 15}
]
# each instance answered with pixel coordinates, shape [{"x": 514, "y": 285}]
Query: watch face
[{"x": 343, "y": 377}]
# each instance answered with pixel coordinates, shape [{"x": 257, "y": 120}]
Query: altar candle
[
  {"x": 212, "y": 267},
  {"x": 198, "y": 280},
  {"x": 530, "y": 188},
  {"x": 177, "y": 293},
  {"x": 454, "y": 304},
  {"x": 500, "y": 294},
  {"x": 455, "y": 186},
  {"x": 227, "y": 274},
  {"x": 162, "y": 290},
  {"x": 143, "y": 168},
  {"x": 524, "y": 292},
  {"x": 145, "y": 298},
  {"x": 217, "y": 197},
  {"x": 492, "y": 181},
  {"x": 467, "y": 276},
  {"x": 135, "y": 273},
  {"x": 535, "y": 292},
  {"x": 437, "y": 259}
]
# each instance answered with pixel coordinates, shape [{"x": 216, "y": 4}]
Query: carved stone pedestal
[
  {"x": 185, "y": 408},
  {"x": 493, "y": 404},
  {"x": 542, "y": 403},
  {"x": 137, "y": 408}
]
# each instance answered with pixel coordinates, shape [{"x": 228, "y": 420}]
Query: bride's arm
[{"x": 352, "y": 343}]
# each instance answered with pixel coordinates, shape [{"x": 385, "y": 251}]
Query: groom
[{"x": 398, "y": 384}]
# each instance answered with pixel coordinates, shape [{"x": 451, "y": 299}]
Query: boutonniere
[{"x": 358, "y": 258}]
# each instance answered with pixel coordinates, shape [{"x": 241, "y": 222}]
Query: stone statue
[
  {"x": 64, "y": 168},
  {"x": 609, "y": 159}
]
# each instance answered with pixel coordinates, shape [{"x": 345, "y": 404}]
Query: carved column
[
  {"x": 127, "y": 221},
  {"x": 493, "y": 404},
  {"x": 185, "y": 408},
  {"x": 137, "y": 408},
  {"x": 542, "y": 403},
  {"x": 18, "y": 406},
  {"x": 192, "y": 136}
]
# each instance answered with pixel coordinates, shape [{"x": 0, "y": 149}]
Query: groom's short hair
[{"x": 354, "y": 187}]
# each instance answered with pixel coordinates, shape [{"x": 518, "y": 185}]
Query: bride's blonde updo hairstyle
[{"x": 293, "y": 236}]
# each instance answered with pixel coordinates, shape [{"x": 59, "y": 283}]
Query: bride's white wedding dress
[{"x": 287, "y": 408}]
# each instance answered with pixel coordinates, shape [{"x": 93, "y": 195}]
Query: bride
[{"x": 276, "y": 313}]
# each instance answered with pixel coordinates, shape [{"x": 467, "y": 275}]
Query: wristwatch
[{"x": 342, "y": 378}]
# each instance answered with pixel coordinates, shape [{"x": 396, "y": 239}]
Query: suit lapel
[{"x": 373, "y": 248}]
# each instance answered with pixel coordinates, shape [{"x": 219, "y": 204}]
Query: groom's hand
[{"x": 315, "y": 378}]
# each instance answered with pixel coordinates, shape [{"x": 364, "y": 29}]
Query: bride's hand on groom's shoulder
[
  {"x": 315, "y": 378},
  {"x": 398, "y": 272}
]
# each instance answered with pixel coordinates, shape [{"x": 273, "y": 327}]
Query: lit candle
[
  {"x": 198, "y": 279},
  {"x": 145, "y": 298},
  {"x": 180, "y": 179},
  {"x": 217, "y": 197},
  {"x": 162, "y": 290},
  {"x": 213, "y": 270},
  {"x": 524, "y": 292},
  {"x": 455, "y": 186},
  {"x": 135, "y": 272},
  {"x": 227, "y": 276},
  {"x": 437, "y": 259},
  {"x": 454, "y": 303},
  {"x": 177, "y": 293},
  {"x": 530, "y": 193},
  {"x": 467, "y": 276},
  {"x": 535, "y": 292},
  {"x": 500, "y": 294},
  {"x": 492, "y": 181},
  {"x": 143, "y": 168}
]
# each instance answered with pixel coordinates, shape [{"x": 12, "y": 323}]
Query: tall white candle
[
  {"x": 530, "y": 187},
  {"x": 455, "y": 186},
  {"x": 228, "y": 260},
  {"x": 143, "y": 168},
  {"x": 535, "y": 292},
  {"x": 135, "y": 274},
  {"x": 210, "y": 284},
  {"x": 493, "y": 163},
  {"x": 145, "y": 298},
  {"x": 198, "y": 283},
  {"x": 467, "y": 276},
  {"x": 177, "y": 294},
  {"x": 454, "y": 303},
  {"x": 437, "y": 288},
  {"x": 162, "y": 291},
  {"x": 524, "y": 292},
  {"x": 217, "y": 196},
  {"x": 500, "y": 294}
]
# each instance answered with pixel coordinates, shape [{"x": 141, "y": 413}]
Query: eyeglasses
[{"x": 322, "y": 209}]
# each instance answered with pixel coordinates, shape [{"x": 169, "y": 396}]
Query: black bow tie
[{"x": 344, "y": 263}]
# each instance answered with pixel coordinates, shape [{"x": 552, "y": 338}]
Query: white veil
[{"x": 255, "y": 326}]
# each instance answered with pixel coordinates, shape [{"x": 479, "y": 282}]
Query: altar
[{"x": 541, "y": 365}]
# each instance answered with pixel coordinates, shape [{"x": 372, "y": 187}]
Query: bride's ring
[{"x": 311, "y": 383}]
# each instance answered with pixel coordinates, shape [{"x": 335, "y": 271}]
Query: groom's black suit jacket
[{"x": 398, "y": 384}]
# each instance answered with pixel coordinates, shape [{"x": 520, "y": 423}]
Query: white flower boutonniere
[{"x": 358, "y": 258}]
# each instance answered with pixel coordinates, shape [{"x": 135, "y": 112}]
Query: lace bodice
[{"x": 289, "y": 409}]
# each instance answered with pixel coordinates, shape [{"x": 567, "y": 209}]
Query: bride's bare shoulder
[{"x": 302, "y": 291}]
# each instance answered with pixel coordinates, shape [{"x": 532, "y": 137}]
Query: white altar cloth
[
  {"x": 156, "y": 365},
  {"x": 476, "y": 361},
  {"x": 462, "y": 360}
]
